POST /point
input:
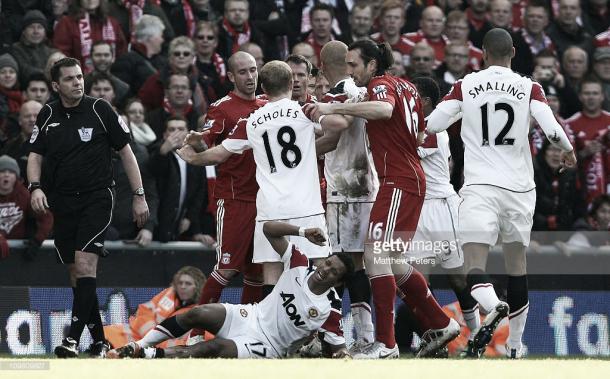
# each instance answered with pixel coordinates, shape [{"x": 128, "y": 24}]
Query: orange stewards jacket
[
  {"x": 164, "y": 305},
  {"x": 496, "y": 346}
]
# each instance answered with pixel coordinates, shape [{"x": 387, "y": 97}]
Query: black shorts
[{"x": 80, "y": 222}]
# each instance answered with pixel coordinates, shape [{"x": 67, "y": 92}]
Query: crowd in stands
[{"x": 161, "y": 63}]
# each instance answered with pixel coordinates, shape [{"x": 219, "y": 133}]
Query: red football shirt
[
  {"x": 595, "y": 169},
  {"x": 236, "y": 177},
  {"x": 394, "y": 141}
]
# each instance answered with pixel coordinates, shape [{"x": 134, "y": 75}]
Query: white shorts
[
  {"x": 263, "y": 252},
  {"x": 241, "y": 327},
  {"x": 492, "y": 215},
  {"x": 437, "y": 233},
  {"x": 348, "y": 225}
]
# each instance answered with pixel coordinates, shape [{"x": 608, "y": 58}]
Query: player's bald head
[
  {"x": 498, "y": 44},
  {"x": 333, "y": 55},
  {"x": 238, "y": 59}
]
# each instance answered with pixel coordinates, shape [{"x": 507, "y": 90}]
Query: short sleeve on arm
[
  {"x": 237, "y": 140},
  {"x": 294, "y": 258},
  {"x": 214, "y": 126},
  {"x": 380, "y": 89},
  {"x": 38, "y": 140},
  {"x": 116, "y": 127}
]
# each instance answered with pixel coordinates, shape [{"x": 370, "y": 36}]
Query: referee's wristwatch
[
  {"x": 139, "y": 192},
  {"x": 34, "y": 186}
]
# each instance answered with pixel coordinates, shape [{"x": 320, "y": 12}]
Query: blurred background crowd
[{"x": 161, "y": 63}]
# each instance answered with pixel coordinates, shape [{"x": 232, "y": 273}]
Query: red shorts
[
  {"x": 235, "y": 220},
  {"x": 395, "y": 214}
]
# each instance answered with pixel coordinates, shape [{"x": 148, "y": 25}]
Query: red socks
[
  {"x": 384, "y": 291},
  {"x": 418, "y": 297}
]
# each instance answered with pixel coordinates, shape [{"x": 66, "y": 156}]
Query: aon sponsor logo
[{"x": 291, "y": 309}]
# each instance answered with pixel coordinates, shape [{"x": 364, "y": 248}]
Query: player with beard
[{"x": 395, "y": 126}]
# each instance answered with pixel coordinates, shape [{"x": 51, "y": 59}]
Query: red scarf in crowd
[
  {"x": 167, "y": 106},
  {"x": 189, "y": 16},
  {"x": 239, "y": 38},
  {"x": 14, "y": 99},
  {"x": 136, "y": 10},
  {"x": 86, "y": 39},
  {"x": 221, "y": 68}
]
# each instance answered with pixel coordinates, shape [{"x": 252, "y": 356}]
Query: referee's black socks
[
  {"x": 84, "y": 299},
  {"x": 96, "y": 328}
]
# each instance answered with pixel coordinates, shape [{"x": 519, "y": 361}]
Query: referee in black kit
[{"x": 70, "y": 173}]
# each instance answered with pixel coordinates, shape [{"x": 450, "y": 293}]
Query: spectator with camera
[{"x": 547, "y": 72}]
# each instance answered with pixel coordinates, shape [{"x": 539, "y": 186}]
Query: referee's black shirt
[{"x": 76, "y": 145}]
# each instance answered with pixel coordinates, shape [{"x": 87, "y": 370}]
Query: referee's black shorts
[{"x": 80, "y": 222}]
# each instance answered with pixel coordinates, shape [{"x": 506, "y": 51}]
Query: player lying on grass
[{"x": 303, "y": 302}]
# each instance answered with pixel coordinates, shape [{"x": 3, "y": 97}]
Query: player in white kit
[
  {"x": 352, "y": 184},
  {"x": 499, "y": 194},
  {"x": 303, "y": 302},
  {"x": 283, "y": 142},
  {"x": 437, "y": 230}
]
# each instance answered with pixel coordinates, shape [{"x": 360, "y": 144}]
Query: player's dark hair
[
  {"x": 64, "y": 62},
  {"x": 427, "y": 87},
  {"x": 96, "y": 77},
  {"x": 299, "y": 59},
  {"x": 597, "y": 203},
  {"x": 498, "y": 43},
  {"x": 380, "y": 52},
  {"x": 321, "y": 7},
  {"x": 347, "y": 261}
]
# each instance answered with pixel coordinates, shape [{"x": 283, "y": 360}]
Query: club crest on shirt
[
  {"x": 226, "y": 258},
  {"x": 313, "y": 312},
  {"x": 85, "y": 134},
  {"x": 34, "y": 134},
  {"x": 208, "y": 124},
  {"x": 243, "y": 312},
  {"x": 380, "y": 91}
]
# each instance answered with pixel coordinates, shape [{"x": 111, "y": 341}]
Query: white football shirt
[
  {"x": 435, "y": 154},
  {"x": 283, "y": 142},
  {"x": 349, "y": 169},
  {"x": 496, "y": 104},
  {"x": 291, "y": 312}
]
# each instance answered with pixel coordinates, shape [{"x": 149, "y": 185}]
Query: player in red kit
[
  {"x": 395, "y": 124},
  {"x": 236, "y": 187}
]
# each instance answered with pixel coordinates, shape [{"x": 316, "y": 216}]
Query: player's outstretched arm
[
  {"x": 215, "y": 155},
  {"x": 276, "y": 230},
  {"x": 370, "y": 110},
  {"x": 195, "y": 140}
]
